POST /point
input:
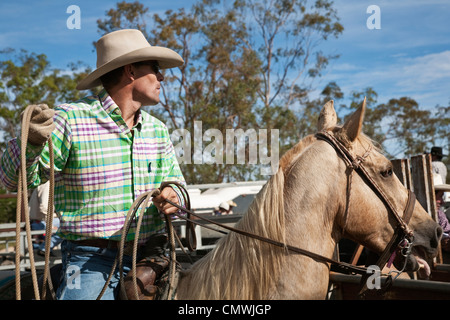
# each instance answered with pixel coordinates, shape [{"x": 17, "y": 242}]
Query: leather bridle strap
[
  {"x": 399, "y": 235},
  {"x": 399, "y": 241}
]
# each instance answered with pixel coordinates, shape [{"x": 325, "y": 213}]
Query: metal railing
[{"x": 8, "y": 241}]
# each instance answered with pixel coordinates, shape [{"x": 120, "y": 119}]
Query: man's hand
[
  {"x": 41, "y": 125},
  {"x": 160, "y": 201}
]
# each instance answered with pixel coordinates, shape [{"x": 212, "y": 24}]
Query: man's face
[
  {"x": 439, "y": 198},
  {"x": 147, "y": 84}
]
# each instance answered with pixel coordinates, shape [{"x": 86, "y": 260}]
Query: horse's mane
[
  {"x": 292, "y": 154},
  {"x": 240, "y": 267}
]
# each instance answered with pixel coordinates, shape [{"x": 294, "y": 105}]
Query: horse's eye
[{"x": 387, "y": 173}]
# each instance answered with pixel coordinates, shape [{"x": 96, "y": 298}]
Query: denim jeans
[
  {"x": 41, "y": 225},
  {"x": 85, "y": 270}
]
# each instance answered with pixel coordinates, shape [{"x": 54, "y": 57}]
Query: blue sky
[{"x": 408, "y": 56}]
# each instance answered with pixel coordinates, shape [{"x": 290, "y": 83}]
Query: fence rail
[{"x": 8, "y": 240}]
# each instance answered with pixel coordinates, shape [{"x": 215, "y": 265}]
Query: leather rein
[{"x": 400, "y": 242}]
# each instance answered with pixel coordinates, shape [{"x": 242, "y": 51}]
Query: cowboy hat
[
  {"x": 122, "y": 47},
  {"x": 225, "y": 206},
  {"x": 437, "y": 151},
  {"x": 232, "y": 203},
  {"x": 439, "y": 185}
]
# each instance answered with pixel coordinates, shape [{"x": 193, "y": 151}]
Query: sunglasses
[
  {"x": 155, "y": 67},
  {"x": 153, "y": 64}
]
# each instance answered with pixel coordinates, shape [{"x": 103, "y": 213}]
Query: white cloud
[
  {"x": 424, "y": 78},
  {"x": 428, "y": 70},
  {"x": 408, "y": 56}
]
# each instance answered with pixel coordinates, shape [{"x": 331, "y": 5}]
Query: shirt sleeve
[
  {"x": 10, "y": 164},
  {"x": 175, "y": 174},
  {"x": 37, "y": 158}
]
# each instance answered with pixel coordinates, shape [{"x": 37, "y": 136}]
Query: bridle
[{"x": 401, "y": 241}]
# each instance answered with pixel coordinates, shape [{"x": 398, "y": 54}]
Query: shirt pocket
[{"x": 156, "y": 172}]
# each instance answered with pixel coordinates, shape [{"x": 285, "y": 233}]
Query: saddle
[{"x": 152, "y": 272}]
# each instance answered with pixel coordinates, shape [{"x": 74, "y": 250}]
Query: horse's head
[{"x": 363, "y": 214}]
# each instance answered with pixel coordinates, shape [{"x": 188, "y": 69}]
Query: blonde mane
[
  {"x": 240, "y": 267},
  {"x": 288, "y": 158}
]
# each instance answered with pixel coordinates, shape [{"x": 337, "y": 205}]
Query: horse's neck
[
  {"x": 302, "y": 277},
  {"x": 311, "y": 205},
  {"x": 244, "y": 268},
  {"x": 241, "y": 267}
]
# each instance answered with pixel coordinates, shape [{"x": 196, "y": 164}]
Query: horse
[{"x": 307, "y": 203}]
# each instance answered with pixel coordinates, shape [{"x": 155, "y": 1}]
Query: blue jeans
[
  {"x": 41, "y": 225},
  {"x": 85, "y": 270}
]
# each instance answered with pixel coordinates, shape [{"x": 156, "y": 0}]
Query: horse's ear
[
  {"x": 353, "y": 126},
  {"x": 327, "y": 118}
]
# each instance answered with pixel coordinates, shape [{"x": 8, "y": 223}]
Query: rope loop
[{"x": 22, "y": 206}]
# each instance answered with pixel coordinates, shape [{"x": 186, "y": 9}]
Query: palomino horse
[{"x": 305, "y": 205}]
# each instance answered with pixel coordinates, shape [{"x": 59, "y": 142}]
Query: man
[
  {"x": 107, "y": 152},
  {"x": 439, "y": 189},
  {"x": 38, "y": 208},
  {"x": 437, "y": 164}
]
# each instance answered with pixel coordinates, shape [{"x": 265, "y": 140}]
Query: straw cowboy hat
[
  {"x": 225, "y": 206},
  {"x": 439, "y": 185},
  {"x": 123, "y": 47}
]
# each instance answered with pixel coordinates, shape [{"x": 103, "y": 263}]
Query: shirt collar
[
  {"x": 110, "y": 106},
  {"x": 108, "y": 103}
]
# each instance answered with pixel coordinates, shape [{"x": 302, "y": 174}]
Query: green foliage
[
  {"x": 411, "y": 128},
  {"x": 127, "y": 15},
  {"x": 27, "y": 78},
  {"x": 7, "y": 209}
]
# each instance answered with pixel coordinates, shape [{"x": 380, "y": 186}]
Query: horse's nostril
[{"x": 434, "y": 242}]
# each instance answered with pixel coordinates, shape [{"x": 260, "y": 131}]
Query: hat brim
[
  {"x": 439, "y": 155},
  {"x": 166, "y": 58},
  {"x": 442, "y": 187}
]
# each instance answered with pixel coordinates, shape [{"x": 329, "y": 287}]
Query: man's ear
[{"x": 129, "y": 71}]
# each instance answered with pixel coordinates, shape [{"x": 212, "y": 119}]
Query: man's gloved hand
[{"x": 41, "y": 125}]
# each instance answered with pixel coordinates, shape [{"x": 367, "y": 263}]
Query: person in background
[
  {"x": 223, "y": 209},
  {"x": 38, "y": 206},
  {"x": 439, "y": 189},
  {"x": 232, "y": 205},
  {"x": 436, "y": 162}
]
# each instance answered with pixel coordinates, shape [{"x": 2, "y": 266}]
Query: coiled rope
[
  {"x": 22, "y": 206},
  {"x": 142, "y": 203}
]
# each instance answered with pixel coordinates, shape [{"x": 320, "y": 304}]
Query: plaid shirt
[{"x": 101, "y": 167}]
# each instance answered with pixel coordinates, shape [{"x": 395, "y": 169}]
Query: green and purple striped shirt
[{"x": 101, "y": 167}]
